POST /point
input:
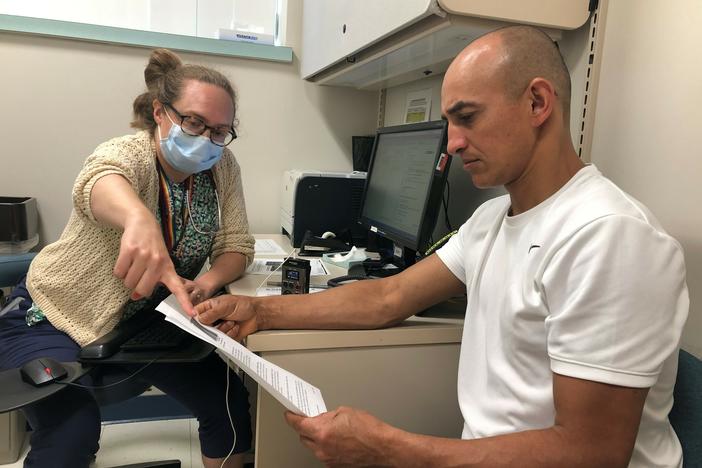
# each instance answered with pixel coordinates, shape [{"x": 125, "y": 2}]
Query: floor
[{"x": 136, "y": 442}]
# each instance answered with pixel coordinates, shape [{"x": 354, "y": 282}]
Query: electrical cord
[
  {"x": 130, "y": 376},
  {"x": 229, "y": 413},
  {"x": 439, "y": 243},
  {"x": 445, "y": 200}
]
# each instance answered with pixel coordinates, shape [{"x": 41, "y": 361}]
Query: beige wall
[
  {"x": 60, "y": 98},
  {"x": 649, "y": 120}
]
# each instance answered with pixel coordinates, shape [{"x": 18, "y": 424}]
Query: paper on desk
[
  {"x": 291, "y": 391},
  {"x": 262, "y": 266},
  {"x": 268, "y": 247}
]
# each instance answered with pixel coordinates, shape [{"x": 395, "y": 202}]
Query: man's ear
[{"x": 542, "y": 95}]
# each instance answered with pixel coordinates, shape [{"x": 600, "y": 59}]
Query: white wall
[
  {"x": 649, "y": 120},
  {"x": 61, "y": 98}
]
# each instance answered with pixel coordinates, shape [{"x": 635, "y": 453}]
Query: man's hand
[
  {"x": 143, "y": 262},
  {"x": 238, "y": 313},
  {"x": 344, "y": 437}
]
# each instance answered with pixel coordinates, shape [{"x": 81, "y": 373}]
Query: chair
[
  {"x": 686, "y": 414},
  {"x": 12, "y": 424},
  {"x": 12, "y": 268}
]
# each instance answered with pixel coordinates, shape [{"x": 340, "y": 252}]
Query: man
[{"x": 576, "y": 295}]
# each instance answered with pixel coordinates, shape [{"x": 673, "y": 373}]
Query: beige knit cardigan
[{"x": 71, "y": 280}]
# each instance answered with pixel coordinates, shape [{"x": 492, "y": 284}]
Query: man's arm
[
  {"x": 362, "y": 304},
  {"x": 595, "y": 426}
]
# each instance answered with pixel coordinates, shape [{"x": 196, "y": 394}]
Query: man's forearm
[
  {"x": 364, "y": 304},
  {"x": 360, "y": 305},
  {"x": 544, "y": 448}
]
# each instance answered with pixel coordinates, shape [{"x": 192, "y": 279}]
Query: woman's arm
[
  {"x": 226, "y": 268},
  {"x": 143, "y": 259}
]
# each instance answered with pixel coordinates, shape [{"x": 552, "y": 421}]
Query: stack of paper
[{"x": 291, "y": 391}]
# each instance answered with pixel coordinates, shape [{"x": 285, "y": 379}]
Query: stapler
[{"x": 315, "y": 246}]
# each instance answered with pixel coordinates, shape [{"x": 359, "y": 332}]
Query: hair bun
[{"x": 161, "y": 62}]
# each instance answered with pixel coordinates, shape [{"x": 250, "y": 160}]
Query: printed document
[
  {"x": 263, "y": 266},
  {"x": 268, "y": 247},
  {"x": 291, "y": 391}
]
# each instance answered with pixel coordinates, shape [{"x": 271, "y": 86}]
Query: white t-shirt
[{"x": 587, "y": 284}]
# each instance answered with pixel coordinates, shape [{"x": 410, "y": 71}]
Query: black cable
[
  {"x": 114, "y": 383},
  {"x": 445, "y": 199}
]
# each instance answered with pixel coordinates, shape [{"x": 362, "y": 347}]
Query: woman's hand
[
  {"x": 143, "y": 261},
  {"x": 197, "y": 290}
]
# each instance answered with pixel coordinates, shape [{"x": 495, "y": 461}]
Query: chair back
[
  {"x": 686, "y": 414},
  {"x": 12, "y": 268}
]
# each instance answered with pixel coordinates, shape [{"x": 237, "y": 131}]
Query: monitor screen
[{"x": 405, "y": 183}]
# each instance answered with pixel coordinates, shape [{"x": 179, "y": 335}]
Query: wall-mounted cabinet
[{"x": 369, "y": 44}]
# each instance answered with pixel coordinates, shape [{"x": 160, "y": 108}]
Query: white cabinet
[
  {"x": 335, "y": 29},
  {"x": 372, "y": 44}
]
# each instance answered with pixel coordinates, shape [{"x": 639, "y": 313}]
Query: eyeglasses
[{"x": 193, "y": 126}]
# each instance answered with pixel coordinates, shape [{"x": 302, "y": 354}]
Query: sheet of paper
[
  {"x": 418, "y": 106},
  {"x": 317, "y": 267},
  {"x": 291, "y": 391},
  {"x": 268, "y": 247},
  {"x": 263, "y": 266}
]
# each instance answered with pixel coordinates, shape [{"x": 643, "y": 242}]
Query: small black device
[
  {"x": 42, "y": 371},
  {"x": 296, "y": 276}
]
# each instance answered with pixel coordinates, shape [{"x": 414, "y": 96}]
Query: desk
[{"x": 405, "y": 375}]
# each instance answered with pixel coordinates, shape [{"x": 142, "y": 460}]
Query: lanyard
[{"x": 168, "y": 215}]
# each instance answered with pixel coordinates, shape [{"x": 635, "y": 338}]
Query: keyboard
[{"x": 160, "y": 335}]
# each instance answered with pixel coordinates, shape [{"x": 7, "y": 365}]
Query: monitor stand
[{"x": 403, "y": 258}]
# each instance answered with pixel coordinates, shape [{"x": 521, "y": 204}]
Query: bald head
[{"x": 514, "y": 56}]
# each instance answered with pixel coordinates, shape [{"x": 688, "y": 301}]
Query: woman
[{"x": 149, "y": 208}]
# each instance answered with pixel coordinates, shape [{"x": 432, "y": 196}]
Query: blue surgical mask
[{"x": 188, "y": 154}]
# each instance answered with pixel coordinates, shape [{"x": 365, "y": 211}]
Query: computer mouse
[{"x": 42, "y": 371}]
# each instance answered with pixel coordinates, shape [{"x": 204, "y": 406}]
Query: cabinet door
[
  {"x": 560, "y": 14},
  {"x": 335, "y": 29}
]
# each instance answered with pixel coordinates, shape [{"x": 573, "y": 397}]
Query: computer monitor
[{"x": 405, "y": 185}]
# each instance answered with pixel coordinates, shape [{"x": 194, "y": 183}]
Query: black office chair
[{"x": 686, "y": 414}]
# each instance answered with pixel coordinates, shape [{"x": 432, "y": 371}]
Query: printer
[{"x": 320, "y": 201}]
